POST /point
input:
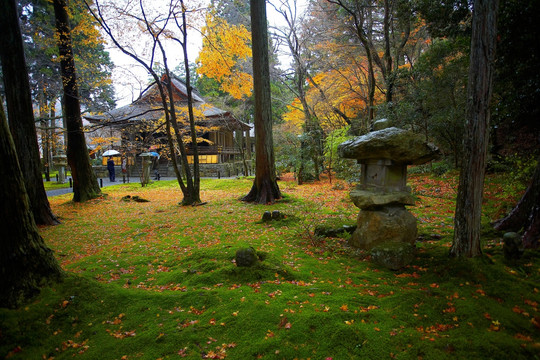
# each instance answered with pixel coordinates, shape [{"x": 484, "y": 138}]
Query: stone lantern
[
  {"x": 60, "y": 162},
  {"x": 146, "y": 164},
  {"x": 383, "y": 193}
]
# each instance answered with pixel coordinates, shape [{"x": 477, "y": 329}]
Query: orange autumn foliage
[{"x": 344, "y": 89}]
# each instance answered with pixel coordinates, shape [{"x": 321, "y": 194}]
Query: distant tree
[
  {"x": 517, "y": 80},
  {"x": 21, "y": 115},
  {"x": 233, "y": 11},
  {"x": 92, "y": 60},
  {"x": 85, "y": 185},
  {"x": 265, "y": 188},
  {"x": 25, "y": 261},
  {"x": 93, "y": 63},
  {"x": 382, "y": 30},
  {"x": 360, "y": 16},
  {"x": 467, "y": 220},
  {"x": 432, "y": 98},
  {"x": 446, "y": 19},
  {"x": 294, "y": 39}
]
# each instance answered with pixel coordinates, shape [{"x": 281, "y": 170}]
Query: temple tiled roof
[{"x": 148, "y": 107}]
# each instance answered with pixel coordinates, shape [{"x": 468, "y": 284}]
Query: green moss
[{"x": 159, "y": 282}]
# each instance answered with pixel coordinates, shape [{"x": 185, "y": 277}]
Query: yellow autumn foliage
[
  {"x": 295, "y": 116},
  {"x": 202, "y": 124},
  {"x": 225, "y": 46}
]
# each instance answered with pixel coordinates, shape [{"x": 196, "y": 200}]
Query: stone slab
[
  {"x": 367, "y": 199},
  {"x": 398, "y": 145}
]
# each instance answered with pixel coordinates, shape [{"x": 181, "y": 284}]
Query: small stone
[
  {"x": 276, "y": 215},
  {"x": 246, "y": 257},
  {"x": 393, "y": 255},
  {"x": 267, "y": 216}
]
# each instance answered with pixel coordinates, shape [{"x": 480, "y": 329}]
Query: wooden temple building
[{"x": 140, "y": 126}]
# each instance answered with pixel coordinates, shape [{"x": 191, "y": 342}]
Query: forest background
[{"x": 346, "y": 65}]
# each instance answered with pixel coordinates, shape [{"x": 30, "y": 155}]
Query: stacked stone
[{"x": 382, "y": 193}]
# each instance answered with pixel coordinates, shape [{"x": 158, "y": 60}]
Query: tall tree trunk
[
  {"x": 387, "y": 54},
  {"x": 526, "y": 214},
  {"x": 45, "y": 132},
  {"x": 300, "y": 175},
  {"x": 359, "y": 23},
  {"x": 468, "y": 214},
  {"x": 85, "y": 185},
  {"x": 21, "y": 115},
  {"x": 239, "y": 141},
  {"x": 25, "y": 261},
  {"x": 265, "y": 188},
  {"x": 248, "y": 144},
  {"x": 195, "y": 196},
  {"x": 371, "y": 92},
  {"x": 52, "y": 125}
]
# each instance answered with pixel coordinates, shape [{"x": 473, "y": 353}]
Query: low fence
[{"x": 206, "y": 170}]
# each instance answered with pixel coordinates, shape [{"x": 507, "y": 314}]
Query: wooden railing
[{"x": 214, "y": 149}]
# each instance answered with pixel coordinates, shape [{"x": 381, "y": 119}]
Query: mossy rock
[
  {"x": 246, "y": 257},
  {"x": 267, "y": 216},
  {"x": 512, "y": 246},
  {"x": 275, "y": 215},
  {"x": 393, "y": 255},
  {"x": 134, "y": 198},
  {"x": 329, "y": 231}
]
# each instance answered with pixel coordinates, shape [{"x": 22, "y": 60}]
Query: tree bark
[
  {"x": 248, "y": 144},
  {"x": 265, "y": 188},
  {"x": 21, "y": 115},
  {"x": 467, "y": 221},
  {"x": 526, "y": 214},
  {"x": 45, "y": 135},
  {"x": 387, "y": 55},
  {"x": 85, "y": 184},
  {"x": 25, "y": 261}
]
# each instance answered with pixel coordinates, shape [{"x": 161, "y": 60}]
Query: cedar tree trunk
[
  {"x": 265, "y": 188},
  {"x": 85, "y": 184},
  {"x": 21, "y": 115},
  {"x": 526, "y": 214},
  {"x": 467, "y": 221},
  {"x": 25, "y": 261},
  {"x": 387, "y": 54}
]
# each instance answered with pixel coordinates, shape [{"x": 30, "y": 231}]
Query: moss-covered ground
[{"x": 155, "y": 280}]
